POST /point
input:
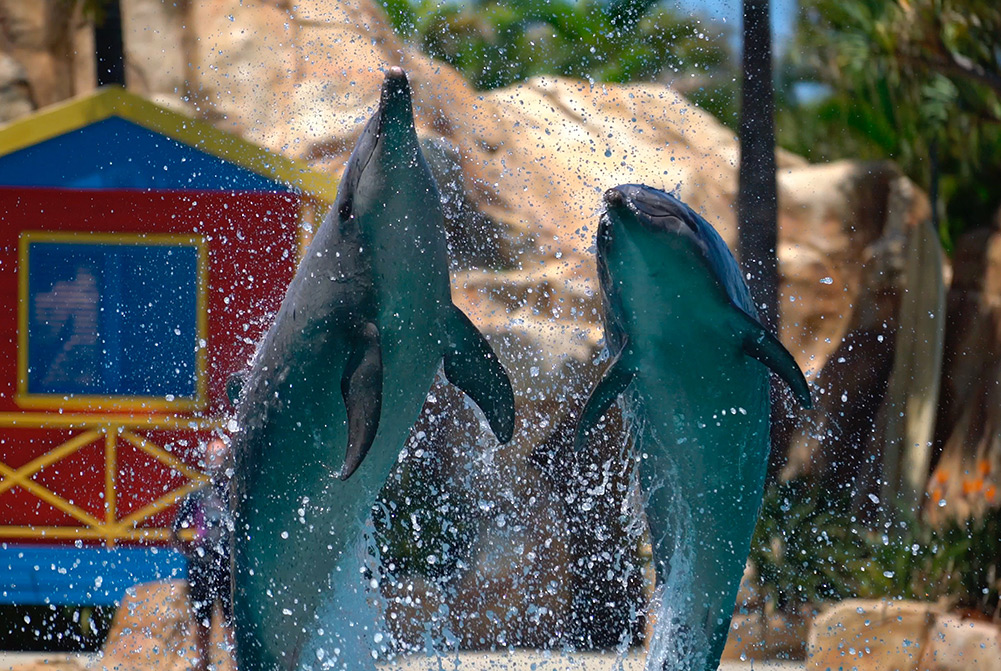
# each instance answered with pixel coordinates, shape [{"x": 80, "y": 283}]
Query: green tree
[
  {"x": 499, "y": 42},
  {"x": 918, "y": 81}
]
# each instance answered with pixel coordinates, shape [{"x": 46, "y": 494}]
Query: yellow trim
[
  {"x": 88, "y": 533},
  {"x": 46, "y": 420},
  {"x": 165, "y": 458},
  {"x": 110, "y": 475},
  {"x": 115, "y": 101},
  {"x": 111, "y": 529},
  {"x": 51, "y": 498},
  {"x": 25, "y": 399},
  {"x": 20, "y": 476}
]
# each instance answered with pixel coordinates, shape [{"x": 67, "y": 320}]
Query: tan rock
[
  {"x": 15, "y": 94},
  {"x": 152, "y": 629},
  {"x": 52, "y": 663},
  {"x": 54, "y": 44},
  {"x": 756, "y": 637},
  {"x": 874, "y": 319},
  {"x": 962, "y": 645},
  {"x": 156, "y": 49},
  {"x": 870, "y": 636}
]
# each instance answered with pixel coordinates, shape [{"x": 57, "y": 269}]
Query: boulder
[
  {"x": 956, "y": 644},
  {"x": 871, "y": 635},
  {"x": 152, "y": 629},
  {"x": 52, "y": 663},
  {"x": 879, "y": 352},
  {"x": 15, "y": 94},
  {"x": 54, "y": 43}
]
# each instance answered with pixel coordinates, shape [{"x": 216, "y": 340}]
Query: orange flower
[
  {"x": 936, "y": 495},
  {"x": 972, "y": 486},
  {"x": 942, "y": 476},
  {"x": 983, "y": 467},
  {"x": 990, "y": 493}
]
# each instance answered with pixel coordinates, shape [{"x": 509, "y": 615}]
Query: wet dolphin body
[
  {"x": 687, "y": 350},
  {"x": 341, "y": 374}
]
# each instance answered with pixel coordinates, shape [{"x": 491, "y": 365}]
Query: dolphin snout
[
  {"x": 395, "y": 83},
  {"x": 614, "y": 198}
]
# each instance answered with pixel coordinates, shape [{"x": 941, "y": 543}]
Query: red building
[{"x": 142, "y": 255}]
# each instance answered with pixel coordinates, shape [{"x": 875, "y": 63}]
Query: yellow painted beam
[
  {"x": 52, "y": 420},
  {"x": 62, "y": 451},
  {"x": 53, "y": 499},
  {"x": 164, "y": 457},
  {"x": 161, "y": 504}
]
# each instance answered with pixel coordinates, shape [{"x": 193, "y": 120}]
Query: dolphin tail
[
  {"x": 761, "y": 345},
  {"x": 613, "y": 382},
  {"x": 473, "y": 367},
  {"x": 361, "y": 387}
]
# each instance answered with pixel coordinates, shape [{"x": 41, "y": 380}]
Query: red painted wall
[{"x": 252, "y": 240}]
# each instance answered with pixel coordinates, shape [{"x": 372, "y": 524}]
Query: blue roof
[{"x": 114, "y": 153}]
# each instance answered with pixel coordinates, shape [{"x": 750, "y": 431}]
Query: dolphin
[
  {"x": 332, "y": 392},
  {"x": 692, "y": 362}
]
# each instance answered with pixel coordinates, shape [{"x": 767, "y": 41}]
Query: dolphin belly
[{"x": 702, "y": 470}]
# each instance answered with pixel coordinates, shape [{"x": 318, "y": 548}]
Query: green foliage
[
  {"x": 918, "y": 81},
  {"x": 809, "y": 548},
  {"x": 801, "y": 551},
  {"x": 499, "y": 42},
  {"x": 422, "y": 525}
]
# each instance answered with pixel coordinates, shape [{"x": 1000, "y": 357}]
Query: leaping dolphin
[
  {"x": 685, "y": 342},
  {"x": 341, "y": 374}
]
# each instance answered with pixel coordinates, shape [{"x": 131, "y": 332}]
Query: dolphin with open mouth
[
  {"x": 692, "y": 362},
  {"x": 332, "y": 393}
]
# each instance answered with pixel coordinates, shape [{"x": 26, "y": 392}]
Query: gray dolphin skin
[
  {"x": 332, "y": 393},
  {"x": 692, "y": 362}
]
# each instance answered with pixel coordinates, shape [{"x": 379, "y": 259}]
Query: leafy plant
[
  {"x": 808, "y": 548},
  {"x": 917, "y": 81},
  {"x": 499, "y": 42}
]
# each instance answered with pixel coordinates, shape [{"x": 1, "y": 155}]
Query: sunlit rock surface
[
  {"x": 153, "y": 629},
  {"x": 871, "y": 636},
  {"x": 884, "y": 635}
]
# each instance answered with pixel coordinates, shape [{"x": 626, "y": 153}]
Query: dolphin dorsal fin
[
  {"x": 613, "y": 382},
  {"x": 473, "y": 367},
  {"x": 761, "y": 345}
]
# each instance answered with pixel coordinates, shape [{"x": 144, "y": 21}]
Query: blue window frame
[{"x": 112, "y": 320}]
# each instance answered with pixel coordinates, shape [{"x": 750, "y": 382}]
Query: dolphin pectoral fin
[
  {"x": 614, "y": 381},
  {"x": 472, "y": 366},
  {"x": 361, "y": 387},
  {"x": 761, "y": 345}
]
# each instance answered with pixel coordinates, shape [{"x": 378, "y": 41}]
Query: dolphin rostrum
[
  {"x": 692, "y": 361},
  {"x": 332, "y": 392}
]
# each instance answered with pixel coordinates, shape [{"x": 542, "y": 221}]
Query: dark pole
[
  {"x": 109, "y": 47},
  {"x": 757, "y": 195}
]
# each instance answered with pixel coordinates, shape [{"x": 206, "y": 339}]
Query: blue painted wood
[
  {"x": 119, "y": 154},
  {"x": 60, "y": 575},
  {"x": 128, "y": 316}
]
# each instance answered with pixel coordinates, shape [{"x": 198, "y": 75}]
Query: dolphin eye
[{"x": 345, "y": 209}]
